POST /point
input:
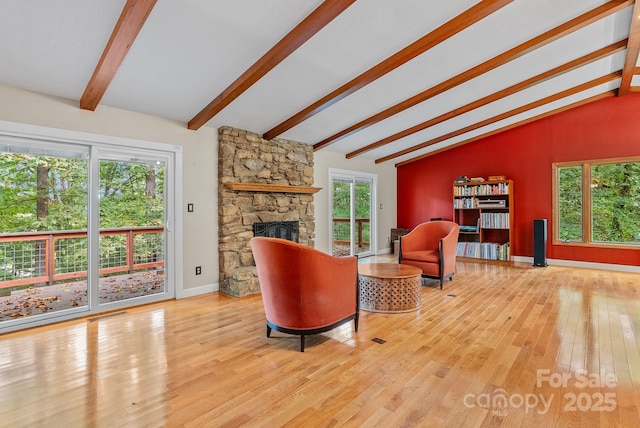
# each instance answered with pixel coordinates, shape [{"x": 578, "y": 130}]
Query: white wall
[
  {"x": 323, "y": 160},
  {"x": 200, "y": 160}
]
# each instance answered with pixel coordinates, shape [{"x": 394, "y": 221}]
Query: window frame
[{"x": 587, "y": 214}]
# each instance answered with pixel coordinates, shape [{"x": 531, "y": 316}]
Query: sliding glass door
[
  {"x": 352, "y": 213},
  {"x": 83, "y": 229}
]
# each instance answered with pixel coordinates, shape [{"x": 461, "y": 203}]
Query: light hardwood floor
[{"x": 499, "y": 346}]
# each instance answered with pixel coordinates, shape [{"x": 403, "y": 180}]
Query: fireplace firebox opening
[{"x": 288, "y": 230}]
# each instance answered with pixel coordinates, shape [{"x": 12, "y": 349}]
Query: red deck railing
[
  {"x": 359, "y": 227},
  {"x": 37, "y": 251}
]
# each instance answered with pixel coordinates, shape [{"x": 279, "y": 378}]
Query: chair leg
[
  {"x": 441, "y": 281},
  {"x": 268, "y": 331},
  {"x": 302, "y": 343},
  {"x": 355, "y": 322}
]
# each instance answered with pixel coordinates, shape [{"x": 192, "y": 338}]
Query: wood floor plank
[{"x": 206, "y": 361}]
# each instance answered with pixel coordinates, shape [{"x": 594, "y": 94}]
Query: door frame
[
  {"x": 41, "y": 136},
  {"x": 373, "y": 221}
]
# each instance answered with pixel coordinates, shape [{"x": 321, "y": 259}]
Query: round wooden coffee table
[{"x": 389, "y": 287}]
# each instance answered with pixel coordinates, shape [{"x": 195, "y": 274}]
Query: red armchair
[
  {"x": 305, "y": 291},
  {"x": 431, "y": 246}
]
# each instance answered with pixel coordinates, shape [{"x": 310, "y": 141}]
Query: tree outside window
[
  {"x": 615, "y": 202},
  {"x": 598, "y": 202}
]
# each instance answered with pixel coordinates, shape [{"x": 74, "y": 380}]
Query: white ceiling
[{"x": 190, "y": 51}]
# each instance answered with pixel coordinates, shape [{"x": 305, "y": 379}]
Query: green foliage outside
[
  {"x": 342, "y": 196},
  {"x": 66, "y": 193},
  {"x": 615, "y": 200},
  {"x": 130, "y": 194},
  {"x": 615, "y": 203},
  {"x": 42, "y": 193},
  {"x": 341, "y": 209}
]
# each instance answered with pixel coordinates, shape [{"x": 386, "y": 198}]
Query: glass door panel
[
  {"x": 43, "y": 232},
  {"x": 363, "y": 216},
  {"x": 352, "y": 200},
  {"x": 131, "y": 236},
  {"x": 341, "y": 217}
]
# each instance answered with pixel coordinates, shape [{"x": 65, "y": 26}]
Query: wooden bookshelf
[{"x": 484, "y": 211}]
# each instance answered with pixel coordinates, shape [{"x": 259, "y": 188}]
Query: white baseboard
[
  {"x": 196, "y": 291},
  {"x": 584, "y": 265}
]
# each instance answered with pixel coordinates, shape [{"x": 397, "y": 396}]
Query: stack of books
[
  {"x": 484, "y": 250},
  {"x": 495, "y": 220}
]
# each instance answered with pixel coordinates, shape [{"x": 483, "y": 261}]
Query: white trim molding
[
  {"x": 183, "y": 293},
  {"x": 582, "y": 265}
]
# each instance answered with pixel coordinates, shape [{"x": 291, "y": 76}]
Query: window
[{"x": 597, "y": 202}]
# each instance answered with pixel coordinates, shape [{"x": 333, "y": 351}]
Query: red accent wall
[{"x": 608, "y": 128}]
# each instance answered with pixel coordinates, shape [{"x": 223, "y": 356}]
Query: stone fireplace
[{"x": 260, "y": 181}]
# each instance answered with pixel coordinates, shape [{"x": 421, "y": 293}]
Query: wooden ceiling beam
[
  {"x": 556, "y": 33},
  {"x": 314, "y": 22},
  {"x": 133, "y": 16},
  {"x": 555, "y": 72},
  {"x": 633, "y": 48},
  {"x": 420, "y": 46},
  {"x": 546, "y": 100},
  {"x": 607, "y": 94}
]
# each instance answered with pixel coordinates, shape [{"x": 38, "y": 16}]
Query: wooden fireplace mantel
[{"x": 278, "y": 188}]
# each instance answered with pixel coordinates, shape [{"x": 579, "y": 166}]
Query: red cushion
[{"x": 426, "y": 256}]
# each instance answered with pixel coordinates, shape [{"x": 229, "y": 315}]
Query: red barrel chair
[
  {"x": 431, "y": 246},
  {"x": 305, "y": 291}
]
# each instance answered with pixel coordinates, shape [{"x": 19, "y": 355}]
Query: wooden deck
[
  {"x": 49, "y": 298},
  {"x": 509, "y": 346}
]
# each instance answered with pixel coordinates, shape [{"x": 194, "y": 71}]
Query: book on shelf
[{"x": 483, "y": 250}]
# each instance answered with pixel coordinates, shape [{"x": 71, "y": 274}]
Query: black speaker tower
[{"x": 540, "y": 242}]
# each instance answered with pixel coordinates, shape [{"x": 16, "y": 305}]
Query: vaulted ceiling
[{"x": 389, "y": 80}]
